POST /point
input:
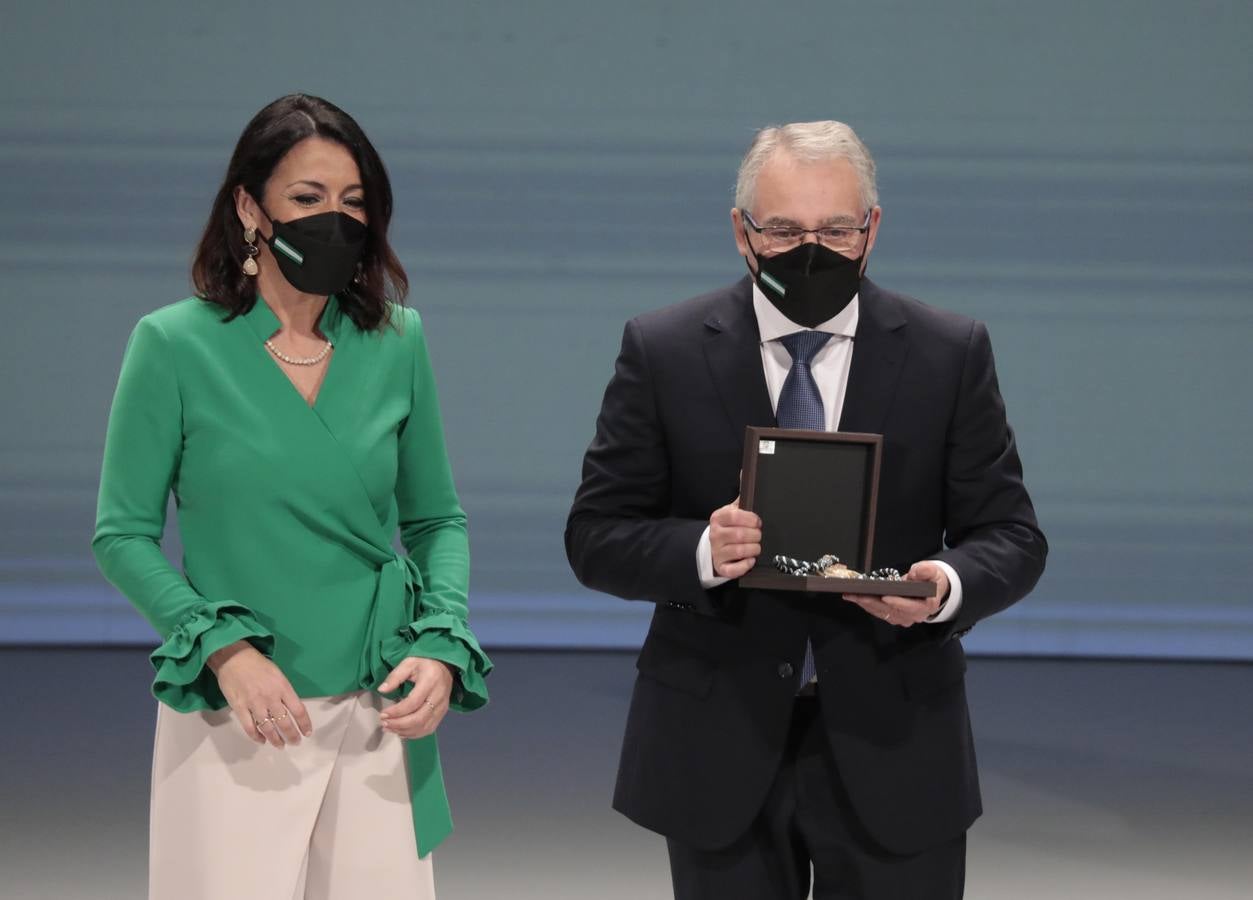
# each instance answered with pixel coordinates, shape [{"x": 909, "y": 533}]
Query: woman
[{"x": 291, "y": 408}]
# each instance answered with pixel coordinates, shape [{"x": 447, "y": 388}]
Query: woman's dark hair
[{"x": 217, "y": 271}]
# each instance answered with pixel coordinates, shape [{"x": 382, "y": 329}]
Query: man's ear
[
  {"x": 741, "y": 239},
  {"x": 876, "y": 215}
]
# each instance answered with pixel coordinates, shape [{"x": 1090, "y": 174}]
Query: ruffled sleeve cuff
[
  {"x": 446, "y": 637},
  {"x": 184, "y": 682}
]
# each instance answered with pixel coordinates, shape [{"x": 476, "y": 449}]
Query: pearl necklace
[{"x": 299, "y": 360}]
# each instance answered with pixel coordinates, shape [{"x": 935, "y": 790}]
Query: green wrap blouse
[{"x": 288, "y": 513}]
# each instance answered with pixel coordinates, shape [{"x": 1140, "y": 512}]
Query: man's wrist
[
  {"x": 705, "y": 563},
  {"x": 951, "y": 602}
]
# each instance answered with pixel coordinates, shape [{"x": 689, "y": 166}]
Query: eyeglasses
[{"x": 784, "y": 237}]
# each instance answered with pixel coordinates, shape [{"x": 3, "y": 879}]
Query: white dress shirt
[{"x": 830, "y": 367}]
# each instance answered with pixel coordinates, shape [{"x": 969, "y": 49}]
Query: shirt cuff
[
  {"x": 705, "y": 563},
  {"x": 950, "y": 606}
]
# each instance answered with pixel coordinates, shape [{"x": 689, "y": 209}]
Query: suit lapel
[
  {"x": 733, "y": 353},
  {"x": 879, "y": 351}
]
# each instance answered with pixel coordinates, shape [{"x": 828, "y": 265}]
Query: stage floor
[{"x": 1100, "y": 780}]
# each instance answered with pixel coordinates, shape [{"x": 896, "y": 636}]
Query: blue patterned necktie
[{"x": 800, "y": 406}]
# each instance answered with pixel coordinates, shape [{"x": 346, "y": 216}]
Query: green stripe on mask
[
  {"x": 774, "y": 283},
  {"x": 289, "y": 250}
]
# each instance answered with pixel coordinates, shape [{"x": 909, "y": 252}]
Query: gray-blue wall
[{"x": 1079, "y": 175}]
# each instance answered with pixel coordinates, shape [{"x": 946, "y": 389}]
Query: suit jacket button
[{"x": 786, "y": 670}]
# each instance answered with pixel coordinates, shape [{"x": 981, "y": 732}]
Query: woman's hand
[
  {"x": 420, "y": 713},
  {"x": 260, "y": 695}
]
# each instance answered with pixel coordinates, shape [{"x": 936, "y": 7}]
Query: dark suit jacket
[{"x": 719, "y": 669}]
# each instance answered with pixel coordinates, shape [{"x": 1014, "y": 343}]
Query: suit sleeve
[
  {"x": 620, "y": 535},
  {"x": 993, "y": 539},
  {"x": 142, "y": 451},
  {"x": 433, "y": 532}
]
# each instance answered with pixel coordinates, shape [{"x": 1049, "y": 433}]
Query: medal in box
[{"x": 816, "y": 493}]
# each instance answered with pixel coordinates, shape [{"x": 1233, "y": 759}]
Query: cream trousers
[{"x": 328, "y": 819}]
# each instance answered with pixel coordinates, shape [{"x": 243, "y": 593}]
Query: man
[{"x": 771, "y": 733}]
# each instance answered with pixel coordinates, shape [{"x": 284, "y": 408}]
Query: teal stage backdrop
[{"x": 1078, "y": 175}]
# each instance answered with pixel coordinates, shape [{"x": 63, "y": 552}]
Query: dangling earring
[{"x": 250, "y": 250}]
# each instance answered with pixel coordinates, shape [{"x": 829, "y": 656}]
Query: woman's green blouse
[{"x": 288, "y": 512}]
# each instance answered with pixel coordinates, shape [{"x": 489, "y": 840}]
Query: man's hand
[
  {"x": 734, "y": 540},
  {"x": 906, "y": 611}
]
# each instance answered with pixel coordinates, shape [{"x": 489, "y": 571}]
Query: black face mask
[
  {"x": 809, "y": 283},
  {"x": 318, "y": 254}
]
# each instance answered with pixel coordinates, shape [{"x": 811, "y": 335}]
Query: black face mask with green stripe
[
  {"x": 809, "y": 283},
  {"x": 318, "y": 254}
]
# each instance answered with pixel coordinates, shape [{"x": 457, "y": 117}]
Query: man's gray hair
[{"x": 807, "y": 142}]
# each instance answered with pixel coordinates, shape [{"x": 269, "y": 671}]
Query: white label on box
[{"x": 765, "y": 447}]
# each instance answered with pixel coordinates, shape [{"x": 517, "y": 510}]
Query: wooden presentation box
[{"x": 816, "y": 493}]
